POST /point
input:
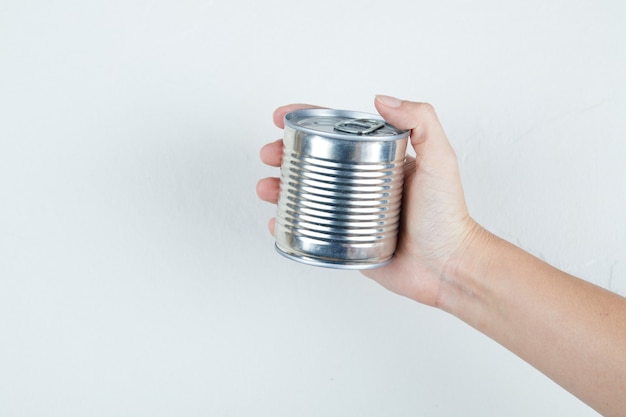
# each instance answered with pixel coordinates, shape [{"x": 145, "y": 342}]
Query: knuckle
[{"x": 427, "y": 109}]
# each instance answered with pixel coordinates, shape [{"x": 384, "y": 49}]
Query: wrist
[{"x": 464, "y": 282}]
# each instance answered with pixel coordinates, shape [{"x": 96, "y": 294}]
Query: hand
[
  {"x": 445, "y": 259},
  {"x": 435, "y": 224}
]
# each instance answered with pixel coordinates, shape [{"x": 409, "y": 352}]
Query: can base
[{"x": 339, "y": 264}]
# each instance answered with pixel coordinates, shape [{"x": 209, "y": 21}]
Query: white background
[{"x": 137, "y": 277}]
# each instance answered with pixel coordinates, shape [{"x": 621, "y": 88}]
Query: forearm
[{"x": 571, "y": 330}]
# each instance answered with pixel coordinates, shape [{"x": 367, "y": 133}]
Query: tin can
[{"x": 340, "y": 189}]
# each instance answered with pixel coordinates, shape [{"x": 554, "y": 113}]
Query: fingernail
[{"x": 389, "y": 101}]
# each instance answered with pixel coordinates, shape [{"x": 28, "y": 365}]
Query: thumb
[{"x": 419, "y": 118}]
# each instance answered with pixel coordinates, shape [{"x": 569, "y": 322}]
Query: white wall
[{"x": 136, "y": 273}]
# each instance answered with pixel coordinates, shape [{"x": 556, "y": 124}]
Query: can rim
[
  {"x": 291, "y": 119},
  {"x": 339, "y": 264}
]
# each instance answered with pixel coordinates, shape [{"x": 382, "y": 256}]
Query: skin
[{"x": 569, "y": 329}]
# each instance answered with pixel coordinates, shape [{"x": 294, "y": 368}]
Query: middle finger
[{"x": 272, "y": 153}]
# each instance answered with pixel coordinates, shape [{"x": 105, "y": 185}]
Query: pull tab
[{"x": 359, "y": 126}]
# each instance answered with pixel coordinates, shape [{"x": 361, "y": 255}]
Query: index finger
[{"x": 279, "y": 113}]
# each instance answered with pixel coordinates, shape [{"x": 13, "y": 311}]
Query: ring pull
[{"x": 359, "y": 126}]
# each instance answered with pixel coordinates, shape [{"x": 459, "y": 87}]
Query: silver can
[{"x": 340, "y": 189}]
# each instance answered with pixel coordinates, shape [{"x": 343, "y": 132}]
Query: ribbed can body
[{"x": 340, "y": 195}]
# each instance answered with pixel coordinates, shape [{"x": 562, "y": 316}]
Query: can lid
[{"x": 343, "y": 124}]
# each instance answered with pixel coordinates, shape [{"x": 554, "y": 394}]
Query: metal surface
[
  {"x": 359, "y": 126},
  {"x": 341, "y": 189}
]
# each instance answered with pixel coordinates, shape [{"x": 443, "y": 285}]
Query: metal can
[{"x": 340, "y": 189}]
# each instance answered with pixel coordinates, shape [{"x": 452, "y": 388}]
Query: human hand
[
  {"x": 435, "y": 223},
  {"x": 445, "y": 259}
]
